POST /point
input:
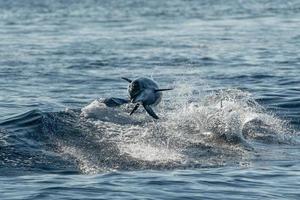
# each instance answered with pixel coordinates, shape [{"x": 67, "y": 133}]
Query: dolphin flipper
[
  {"x": 134, "y": 109},
  {"x": 165, "y": 89},
  {"x": 150, "y": 111}
]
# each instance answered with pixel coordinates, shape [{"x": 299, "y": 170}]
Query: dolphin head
[{"x": 135, "y": 88}]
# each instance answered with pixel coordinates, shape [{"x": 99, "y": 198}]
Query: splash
[{"x": 197, "y": 129}]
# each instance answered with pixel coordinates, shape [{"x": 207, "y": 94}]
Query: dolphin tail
[
  {"x": 126, "y": 79},
  {"x": 134, "y": 109},
  {"x": 160, "y": 90},
  {"x": 114, "y": 102},
  {"x": 150, "y": 111}
]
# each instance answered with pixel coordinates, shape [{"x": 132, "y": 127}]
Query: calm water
[{"x": 229, "y": 130}]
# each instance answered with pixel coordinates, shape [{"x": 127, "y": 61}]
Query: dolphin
[{"x": 145, "y": 92}]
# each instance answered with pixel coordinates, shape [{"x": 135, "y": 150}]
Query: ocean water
[{"x": 230, "y": 129}]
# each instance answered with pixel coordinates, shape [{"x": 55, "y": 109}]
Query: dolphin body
[
  {"x": 145, "y": 92},
  {"x": 141, "y": 91}
]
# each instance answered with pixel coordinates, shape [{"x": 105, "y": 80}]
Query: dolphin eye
[{"x": 135, "y": 86}]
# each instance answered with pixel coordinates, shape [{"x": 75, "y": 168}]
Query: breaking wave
[{"x": 195, "y": 130}]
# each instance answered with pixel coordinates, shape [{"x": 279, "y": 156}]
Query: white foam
[
  {"x": 99, "y": 111},
  {"x": 84, "y": 163},
  {"x": 95, "y": 108},
  {"x": 190, "y": 124},
  {"x": 147, "y": 152}
]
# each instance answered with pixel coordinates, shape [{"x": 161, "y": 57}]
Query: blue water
[{"x": 230, "y": 129}]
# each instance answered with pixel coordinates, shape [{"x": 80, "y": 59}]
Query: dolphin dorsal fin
[
  {"x": 126, "y": 79},
  {"x": 165, "y": 89}
]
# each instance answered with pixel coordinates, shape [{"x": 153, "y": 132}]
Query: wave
[{"x": 195, "y": 130}]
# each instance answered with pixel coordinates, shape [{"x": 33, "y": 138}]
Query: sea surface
[{"x": 230, "y": 129}]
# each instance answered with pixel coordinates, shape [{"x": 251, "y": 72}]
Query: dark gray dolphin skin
[{"x": 145, "y": 92}]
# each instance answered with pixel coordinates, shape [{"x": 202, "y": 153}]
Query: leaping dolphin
[
  {"x": 141, "y": 91},
  {"x": 144, "y": 91}
]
